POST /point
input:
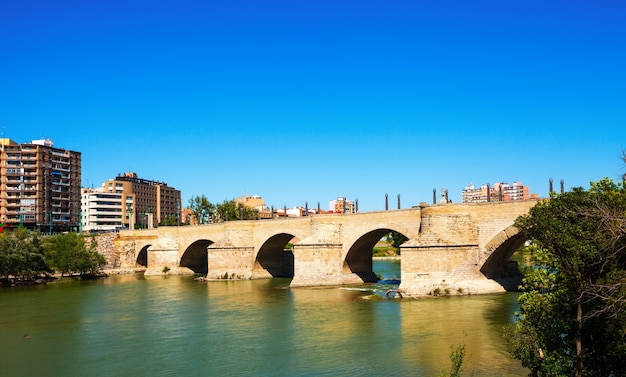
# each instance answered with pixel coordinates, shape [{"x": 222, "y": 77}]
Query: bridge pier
[
  {"x": 230, "y": 262},
  {"x": 322, "y": 264},
  {"x": 317, "y": 264},
  {"x": 163, "y": 259},
  {"x": 444, "y": 270}
]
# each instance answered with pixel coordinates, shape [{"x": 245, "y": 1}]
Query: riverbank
[
  {"x": 53, "y": 277},
  {"x": 397, "y": 257},
  {"x": 11, "y": 282}
]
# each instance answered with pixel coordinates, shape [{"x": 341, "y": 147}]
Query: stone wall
[
  {"x": 447, "y": 246},
  {"x": 106, "y": 247}
]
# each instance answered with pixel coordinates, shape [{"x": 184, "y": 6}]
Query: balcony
[{"x": 14, "y": 171}]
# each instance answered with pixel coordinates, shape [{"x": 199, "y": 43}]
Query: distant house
[
  {"x": 499, "y": 192},
  {"x": 252, "y": 201},
  {"x": 341, "y": 205}
]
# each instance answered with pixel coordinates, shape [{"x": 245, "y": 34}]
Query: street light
[
  {"x": 150, "y": 221},
  {"x": 178, "y": 212},
  {"x": 129, "y": 212}
]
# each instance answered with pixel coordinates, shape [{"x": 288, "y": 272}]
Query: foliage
[
  {"x": 573, "y": 311},
  {"x": 384, "y": 251},
  {"x": 457, "y": 356},
  {"x": 228, "y": 210},
  {"x": 21, "y": 255},
  {"x": 68, "y": 254},
  {"x": 202, "y": 208},
  {"x": 397, "y": 239},
  {"x": 389, "y": 246},
  {"x": 169, "y": 220}
]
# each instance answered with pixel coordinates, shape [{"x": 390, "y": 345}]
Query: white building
[
  {"x": 101, "y": 210},
  {"x": 296, "y": 211},
  {"x": 500, "y": 191},
  {"x": 341, "y": 205}
]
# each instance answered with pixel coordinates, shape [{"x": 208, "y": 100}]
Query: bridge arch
[
  {"x": 358, "y": 259},
  {"x": 142, "y": 257},
  {"x": 272, "y": 259},
  {"x": 195, "y": 256},
  {"x": 499, "y": 249}
]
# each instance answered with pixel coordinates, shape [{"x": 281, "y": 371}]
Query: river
[{"x": 130, "y": 325}]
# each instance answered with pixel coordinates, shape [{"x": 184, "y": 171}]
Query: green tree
[
  {"x": 69, "y": 254},
  {"x": 202, "y": 208},
  {"x": 572, "y": 317},
  {"x": 21, "y": 255},
  {"x": 169, "y": 220},
  {"x": 397, "y": 239},
  {"x": 230, "y": 211}
]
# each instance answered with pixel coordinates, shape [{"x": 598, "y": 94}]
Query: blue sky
[{"x": 304, "y": 101}]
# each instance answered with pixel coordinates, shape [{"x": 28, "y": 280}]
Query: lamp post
[
  {"x": 129, "y": 213},
  {"x": 178, "y": 212},
  {"x": 150, "y": 221}
]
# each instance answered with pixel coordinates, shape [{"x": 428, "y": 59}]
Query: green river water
[{"x": 130, "y": 325}]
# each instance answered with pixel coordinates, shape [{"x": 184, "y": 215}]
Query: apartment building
[
  {"x": 252, "y": 201},
  {"x": 146, "y": 203},
  {"x": 341, "y": 205},
  {"x": 39, "y": 186},
  {"x": 499, "y": 192},
  {"x": 101, "y": 211}
]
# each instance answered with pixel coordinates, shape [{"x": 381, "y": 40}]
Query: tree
[
  {"x": 68, "y": 254},
  {"x": 573, "y": 312},
  {"x": 202, "y": 208},
  {"x": 229, "y": 211},
  {"x": 397, "y": 239},
  {"x": 21, "y": 255},
  {"x": 169, "y": 220}
]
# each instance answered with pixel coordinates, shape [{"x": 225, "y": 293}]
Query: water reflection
[{"x": 131, "y": 325}]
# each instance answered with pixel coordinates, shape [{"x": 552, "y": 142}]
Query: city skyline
[{"x": 310, "y": 101}]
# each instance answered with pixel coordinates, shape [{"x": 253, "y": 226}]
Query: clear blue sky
[{"x": 301, "y": 100}]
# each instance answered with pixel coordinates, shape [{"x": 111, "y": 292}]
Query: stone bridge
[{"x": 456, "y": 248}]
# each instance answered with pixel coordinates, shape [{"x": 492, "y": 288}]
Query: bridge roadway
[{"x": 456, "y": 248}]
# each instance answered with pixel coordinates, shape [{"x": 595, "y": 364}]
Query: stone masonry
[{"x": 459, "y": 248}]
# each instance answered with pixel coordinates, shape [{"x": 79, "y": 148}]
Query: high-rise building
[
  {"x": 146, "y": 203},
  {"x": 39, "y": 186},
  {"x": 101, "y": 211}
]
